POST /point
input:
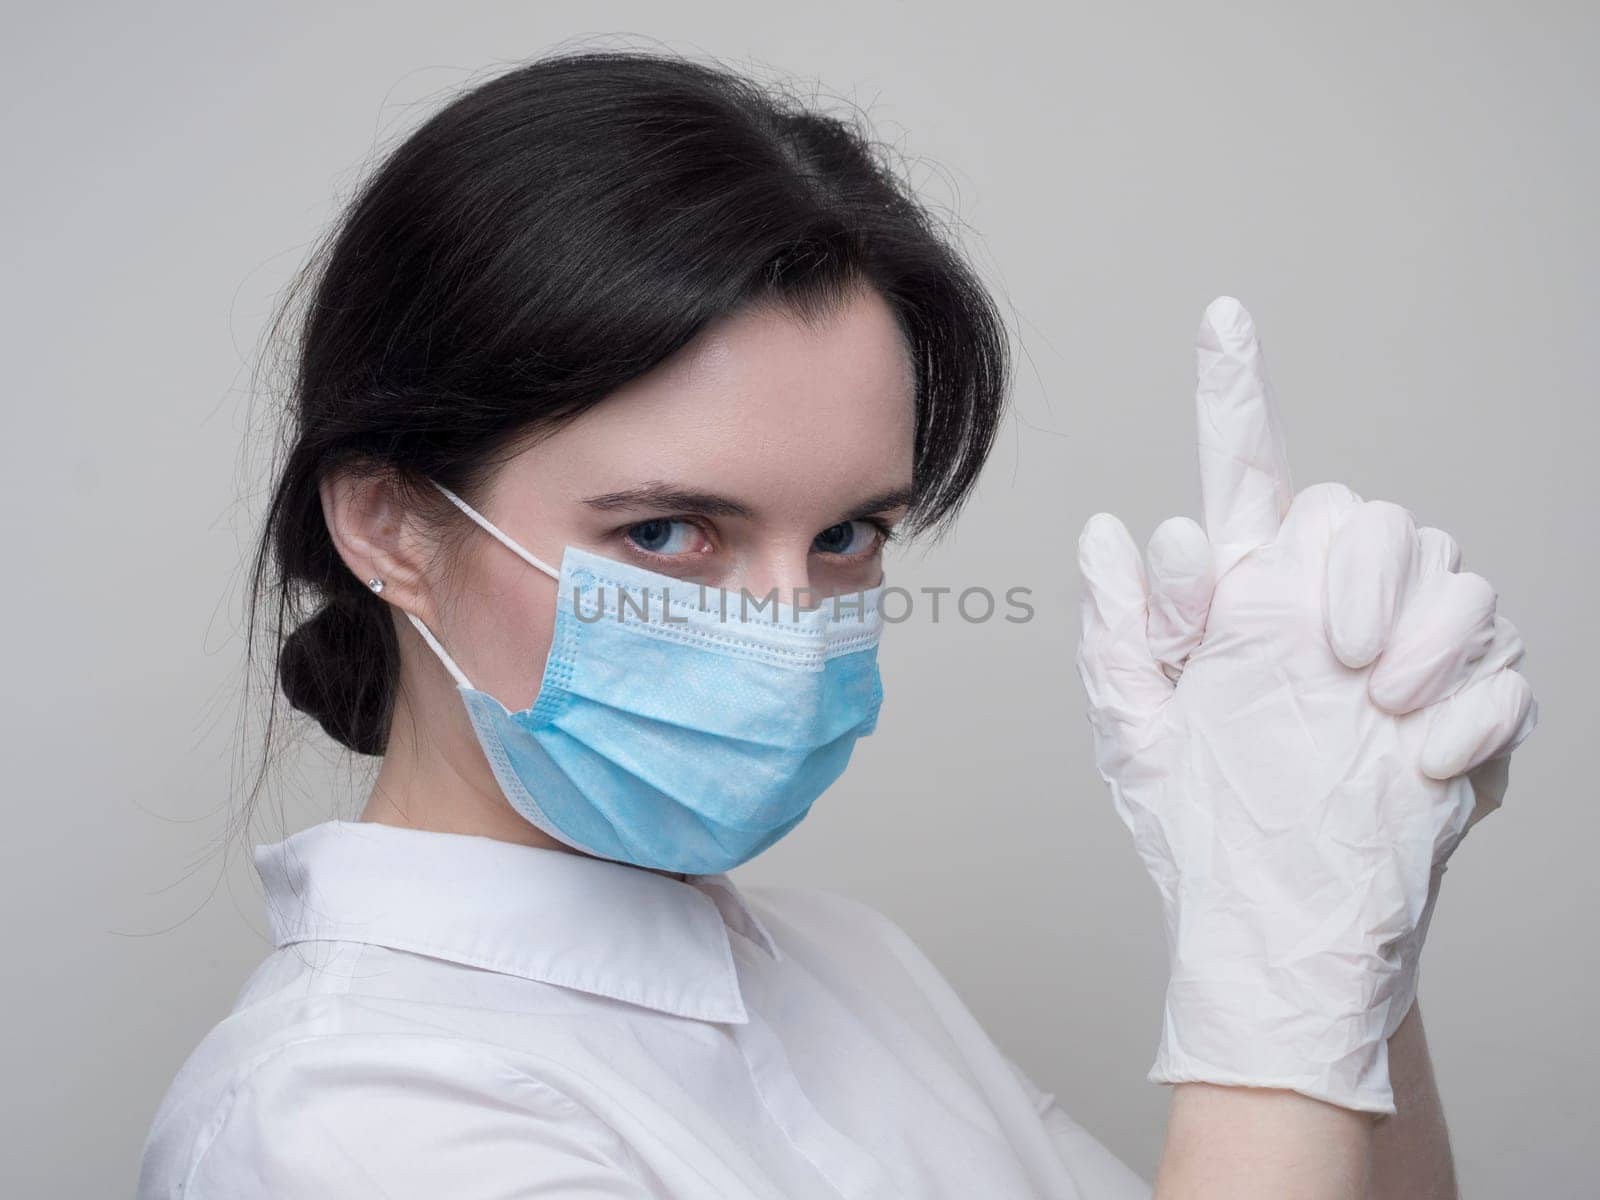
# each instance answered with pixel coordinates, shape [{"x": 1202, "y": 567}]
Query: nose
[{"x": 783, "y": 572}]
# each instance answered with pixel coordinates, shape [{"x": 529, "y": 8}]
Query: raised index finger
[{"x": 1244, "y": 466}]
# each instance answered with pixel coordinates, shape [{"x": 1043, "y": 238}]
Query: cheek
[{"x": 503, "y": 618}]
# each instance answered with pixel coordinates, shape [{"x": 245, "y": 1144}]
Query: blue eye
[
  {"x": 663, "y": 536},
  {"x": 848, "y": 538}
]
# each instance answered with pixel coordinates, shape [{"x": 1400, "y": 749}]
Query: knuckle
[
  {"x": 1473, "y": 589},
  {"x": 1439, "y": 549}
]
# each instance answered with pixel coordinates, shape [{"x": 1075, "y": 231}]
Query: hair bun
[{"x": 337, "y": 668}]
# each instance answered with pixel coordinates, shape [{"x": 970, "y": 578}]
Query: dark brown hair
[{"x": 548, "y": 236}]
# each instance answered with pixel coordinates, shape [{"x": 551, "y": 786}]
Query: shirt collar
[{"x": 567, "y": 919}]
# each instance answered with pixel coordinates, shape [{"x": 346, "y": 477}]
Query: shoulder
[
  {"x": 371, "y": 1114},
  {"x": 339, "y": 1074}
]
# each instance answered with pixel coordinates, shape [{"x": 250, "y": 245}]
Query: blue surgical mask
[{"x": 678, "y": 727}]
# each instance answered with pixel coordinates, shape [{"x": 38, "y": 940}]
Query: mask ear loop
[
  {"x": 456, "y": 672},
  {"x": 484, "y": 524}
]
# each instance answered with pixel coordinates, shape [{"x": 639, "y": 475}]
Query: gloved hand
[{"x": 1299, "y": 717}]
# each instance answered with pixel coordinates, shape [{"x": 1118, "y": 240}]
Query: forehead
[{"x": 761, "y": 405}]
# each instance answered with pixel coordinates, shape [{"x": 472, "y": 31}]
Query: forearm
[
  {"x": 1411, "y": 1157},
  {"x": 1242, "y": 1143},
  {"x": 1245, "y": 1143}
]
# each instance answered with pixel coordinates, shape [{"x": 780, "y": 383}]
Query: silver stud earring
[{"x": 375, "y": 584}]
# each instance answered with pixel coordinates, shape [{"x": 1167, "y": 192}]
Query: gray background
[{"x": 1404, "y": 195}]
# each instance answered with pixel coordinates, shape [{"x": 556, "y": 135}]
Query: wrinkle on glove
[{"x": 1299, "y": 710}]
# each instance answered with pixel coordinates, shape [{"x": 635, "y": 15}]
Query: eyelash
[
  {"x": 886, "y": 531},
  {"x": 886, "y": 534}
]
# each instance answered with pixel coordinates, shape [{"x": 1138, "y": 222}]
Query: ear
[{"x": 379, "y": 536}]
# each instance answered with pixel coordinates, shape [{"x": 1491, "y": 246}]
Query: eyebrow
[
  {"x": 900, "y": 497},
  {"x": 666, "y": 497}
]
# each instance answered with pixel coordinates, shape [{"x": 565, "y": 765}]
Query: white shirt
[{"x": 451, "y": 1016}]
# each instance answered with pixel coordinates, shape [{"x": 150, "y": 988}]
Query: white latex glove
[{"x": 1299, "y": 717}]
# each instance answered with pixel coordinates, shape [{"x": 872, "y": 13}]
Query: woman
[{"x": 633, "y": 325}]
